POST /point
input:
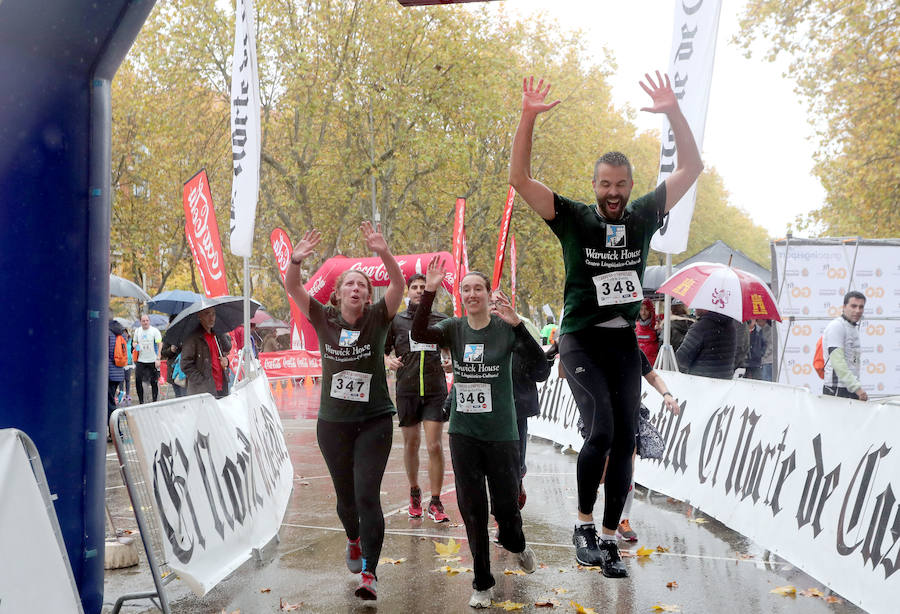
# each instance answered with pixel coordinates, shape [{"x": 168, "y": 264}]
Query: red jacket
[{"x": 647, "y": 338}]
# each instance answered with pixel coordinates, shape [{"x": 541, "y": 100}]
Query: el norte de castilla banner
[{"x": 807, "y": 477}]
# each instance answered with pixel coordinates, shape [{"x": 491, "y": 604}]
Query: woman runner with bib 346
[
  {"x": 484, "y": 435},
  {"x": 354, "y": 428}
]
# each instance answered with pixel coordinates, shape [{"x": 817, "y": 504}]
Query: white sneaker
[
  {"x": 526, "y": 560},
  {"x": 480, "y": 599}
]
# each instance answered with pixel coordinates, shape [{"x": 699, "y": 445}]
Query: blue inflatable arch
[{"x": 57, "y": 58}]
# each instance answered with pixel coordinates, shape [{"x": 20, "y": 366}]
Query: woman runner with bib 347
[
  {"x": 354, "y": 428},
  {"x": 484, "y": 435}
]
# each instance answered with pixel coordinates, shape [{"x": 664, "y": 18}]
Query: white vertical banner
[
  {"x": 696, "y": 27},
  {"x": 245, "y": 130}
]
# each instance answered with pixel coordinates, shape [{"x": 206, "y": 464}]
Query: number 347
[{"x": 348, "y": 385}]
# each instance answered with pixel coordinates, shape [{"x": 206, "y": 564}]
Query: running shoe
[
  {"x": 367, "y": 590},
  {"x": 626, "y": 532},
  {"x": 436, "y": 511},
  {"x": 354, "y": 555},
  {"x": 610, "y": 561},
  {"x": 522, "y": 496},
  {"x": 526, "y": 560},
  {"x": 480, "y": 599},
  {"x": 415, "y": 503},
  {"x": 587, "y": 550}
]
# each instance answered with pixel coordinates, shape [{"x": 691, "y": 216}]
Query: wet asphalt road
[{"x": 716, "y": 569}]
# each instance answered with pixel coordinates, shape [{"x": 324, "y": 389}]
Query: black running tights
[
  {"x": 356, "y": 454},
  {"x": 603, "y": 369}
]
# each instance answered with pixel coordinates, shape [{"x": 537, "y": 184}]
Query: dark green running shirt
[
  {"x": 483, "y": 406},
  {"x": 354, "y": 386},
  {"x": 605, "y": 260}
]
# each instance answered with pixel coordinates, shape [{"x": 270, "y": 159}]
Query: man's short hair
[
  {"x": 854, "y": 294},
  {"x": 612, "y": 158},
  {"x": 414, "y": 277}
]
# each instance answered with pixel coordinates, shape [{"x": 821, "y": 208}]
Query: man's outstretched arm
[
  {"x": 536, "y": 194},
  {"x": 689, "y": 164}
]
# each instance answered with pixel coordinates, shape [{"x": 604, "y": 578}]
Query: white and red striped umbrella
[{"x": 720, "y": 288}]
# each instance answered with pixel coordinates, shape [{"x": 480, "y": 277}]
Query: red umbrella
[
  {"x": 720, "y": 288},
  {"x": 259, "y": 317}
]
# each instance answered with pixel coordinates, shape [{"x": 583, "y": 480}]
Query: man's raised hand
[
  {"x": 533, "y": 97},
  {"x": 306, "y": 246},
  {"x": 664, "y": 99},
  {"x": 435, "y": 273}
]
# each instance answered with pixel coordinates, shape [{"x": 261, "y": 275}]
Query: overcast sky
[{"x": 756, "y": 126}]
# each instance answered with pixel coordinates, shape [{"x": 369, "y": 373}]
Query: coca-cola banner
[
  {"x": 512, "y": 271},
  {"x": 281, "y": 245},
  {"x": 291, "y": 363},
  {"x": 808, "y": 477},
  {"x": 502, "y": 237},
  {"x": 459, "y": 237},
  {"x": 321, "y": 283},
  {"x": 202, "y": 232}
]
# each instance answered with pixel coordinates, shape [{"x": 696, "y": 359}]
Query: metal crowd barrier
[
  {"x": 37, "y": 468},
  {"x": 145, "y": 513}
]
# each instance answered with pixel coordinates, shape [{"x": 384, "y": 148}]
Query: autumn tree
[{"x": 844, "y": 60}]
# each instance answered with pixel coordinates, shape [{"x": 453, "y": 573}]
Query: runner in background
[
  {"x": 484, "y": 440},
  {"x": 421, "y": 390},
  {"x": 354, "y": 428},
  {"x": 605, "y": 248}
]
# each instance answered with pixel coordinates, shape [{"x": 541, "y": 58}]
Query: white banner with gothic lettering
[
  {"x": 695, "y": 30},
  {"x": 813, "y": 276},
  {"x": 220, "y": 476},
  {"x": 808, "y": 477}
]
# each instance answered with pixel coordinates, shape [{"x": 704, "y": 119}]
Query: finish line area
[{"x": 715, "y": 568}]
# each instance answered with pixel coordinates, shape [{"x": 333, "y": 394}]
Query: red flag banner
[
  {"x": 202, "y": 232},
  {"x": 501, "y": 238},
  {"x": 459, "y": 230},
  {"x": 291, "y": 363},
  {"x": 281, "y": 245},
  {"x": 512, "y": 271}
]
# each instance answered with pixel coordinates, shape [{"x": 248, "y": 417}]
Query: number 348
[{"x": 618, "y": 287}]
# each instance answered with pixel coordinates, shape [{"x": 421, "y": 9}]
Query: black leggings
[
  {"x": 146, "y": 372},
  {"x": 603, "y": 369},
  {"x": 474, "y": 461},
  {"x": 356, "y": 454}
]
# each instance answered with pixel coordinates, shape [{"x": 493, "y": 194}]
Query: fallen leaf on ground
[
  {"x": 508, "y": 605},
  {"x": 812, "y": 592},
  {"x": 542, "y": 566},
  {"x": 265, "y": 590},
  {"x": 560, "y": 591},
  {"x": 453, "y": 525},
  {"x": 561, "y": 570},
  {"x": 448, "y": 549},
  {"x": 672, "y": 584},
  {"x": 662, "y": 607},
  {"x": 546, "y": 603},
  {"x": 698, "y": 520},
  {"x": 580, "y": 609},
  {"x": 284, "y": 606},
  {"x": 645, "y": 551},
  {"x": 387, "y": 561},
  {"x": 787, "y": 591},
  {"x": 452, "y": 571},
  {"x": 627, "y": 554},
  {"x": 589, "y": 568},
  {"x": 513, "y": 572},
  {"x": 833, "y": 599},
  {"x": 662, "y": 549},
  {"x": 303, "y": 483}
]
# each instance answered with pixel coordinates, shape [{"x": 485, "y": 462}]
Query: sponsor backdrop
[
  {"x": 220, "y": 477},
  {"x": 33, "y": 568},
  {"x": 808, "y": 477},
  {"x": 813, "y": 277}
]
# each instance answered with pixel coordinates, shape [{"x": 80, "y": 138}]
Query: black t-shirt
[
  {"x": 354, "y": 386},
  {"x": 605, "y": 259},
  {"x": 421, "y": 374}
]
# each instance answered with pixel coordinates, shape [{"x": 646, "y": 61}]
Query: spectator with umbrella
[{"x": 201, "y": 331}]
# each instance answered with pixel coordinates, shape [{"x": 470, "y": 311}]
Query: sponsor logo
[
  {"x": 720, "y": 297},
  {"x": 348, "y": 337},
  {"x": 836, "y": 273},
  {"x": 874, "y": 292},
  {"x": 800, "y": 291},
  {"x": 615, "y": 235},
  {"x": 801, "y": 330},
  {"x": 474, "y": 352},
  {"x": 875, "y": 330}
]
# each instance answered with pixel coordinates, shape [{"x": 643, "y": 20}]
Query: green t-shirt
[
  {"x": 604, "y": 260},
  {"x": 354, "y": 386},
  {"x": 483, "y": 405}
]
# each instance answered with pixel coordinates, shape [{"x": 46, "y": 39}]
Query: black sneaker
[
  {"x": 587, "y": 550},
  {"x": 610, "y": 561}
]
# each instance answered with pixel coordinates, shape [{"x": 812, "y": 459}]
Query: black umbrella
[{"x": 229, "y": 315}]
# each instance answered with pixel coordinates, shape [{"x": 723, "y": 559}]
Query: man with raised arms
[{"x": 605, "y": 250}]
